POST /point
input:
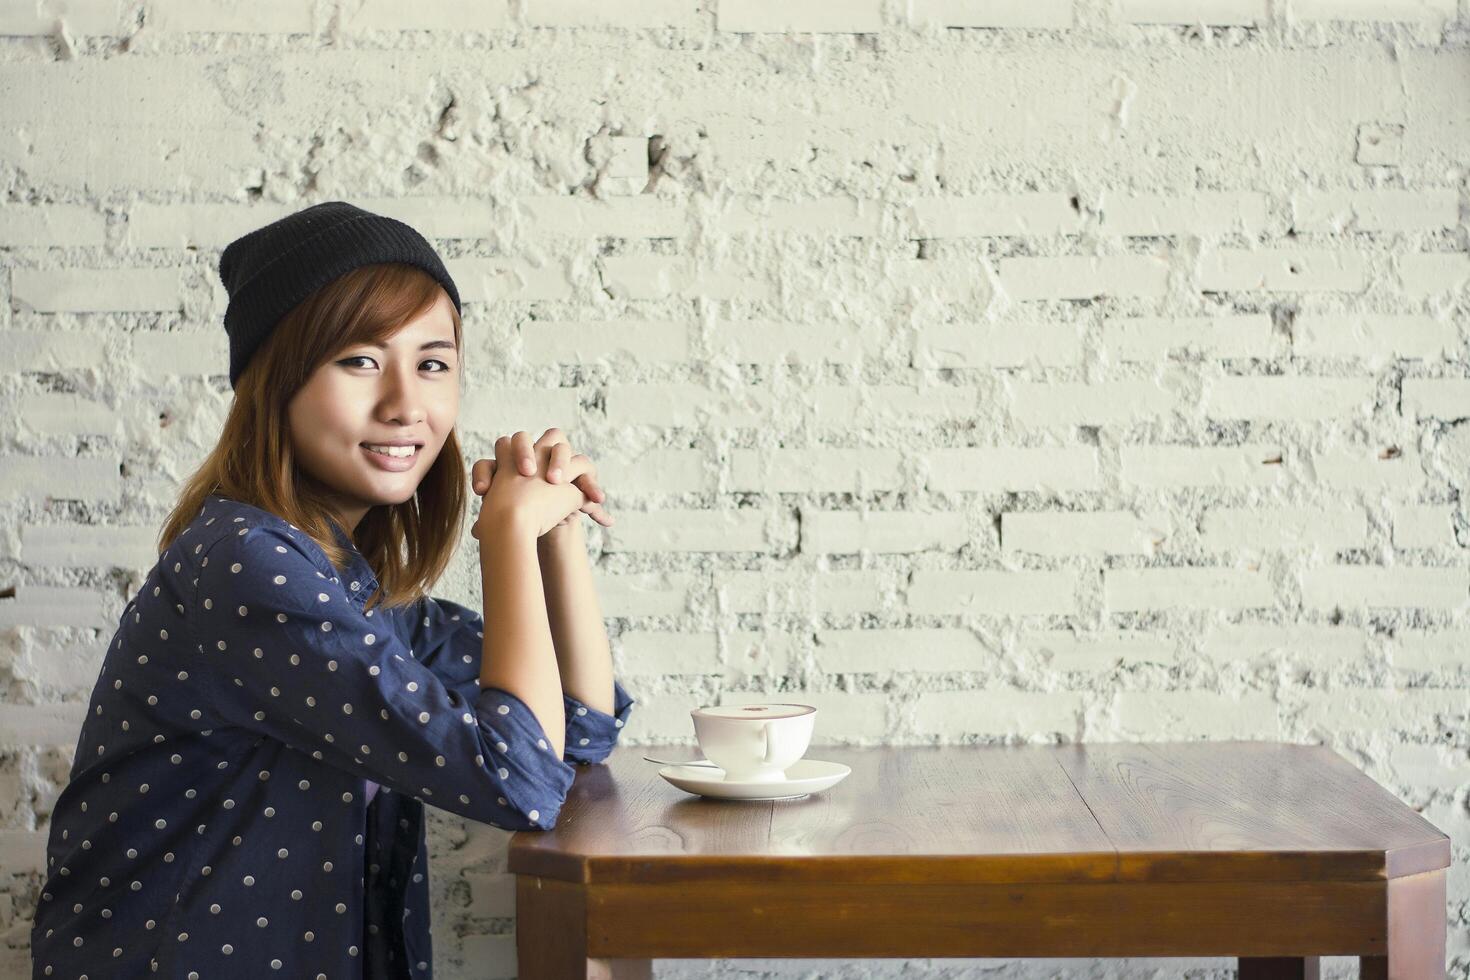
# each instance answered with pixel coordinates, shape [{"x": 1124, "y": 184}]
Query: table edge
[{"x": 527, "y": 858}]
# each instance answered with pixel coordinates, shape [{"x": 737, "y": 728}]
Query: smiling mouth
[{"x": 396, "y": 452}]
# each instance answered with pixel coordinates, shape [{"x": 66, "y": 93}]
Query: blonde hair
[{"x": 408, "y": 545}]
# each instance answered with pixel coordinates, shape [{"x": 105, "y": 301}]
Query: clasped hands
[{"x": 551, "y": 456}]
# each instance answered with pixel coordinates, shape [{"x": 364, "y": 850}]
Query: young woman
[{"x": 282, "y": 695}]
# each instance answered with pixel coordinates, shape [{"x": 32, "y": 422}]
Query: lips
[{"x": 393, "y": 464}]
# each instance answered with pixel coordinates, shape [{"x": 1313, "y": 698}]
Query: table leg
[
  {"x": 551, "y": 936},
  {"x": 1416, "y": 931},
  {"x": 1280, "y": 968}
]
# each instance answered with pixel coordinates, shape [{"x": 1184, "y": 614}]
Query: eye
[{"x": 347, "y": 362}]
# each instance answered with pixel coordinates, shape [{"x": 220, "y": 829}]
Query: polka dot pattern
[{"x": 254, "y": 739}]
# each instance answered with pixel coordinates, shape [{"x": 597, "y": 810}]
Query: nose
[{"x": 402, "y": 400}]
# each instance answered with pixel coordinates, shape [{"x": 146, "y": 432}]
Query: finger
[
  {"x": 502, "y": 448},
  {"x": 480, "y": 475},
  {"x": 561, "y": 454},
  {"x": 591, "y": 507},
  {"x": 587, "y": 483},
  {"x": 581, "y": 465},
  {"x": 525, "y": 452},
  {"x": 549, "y": 439}
]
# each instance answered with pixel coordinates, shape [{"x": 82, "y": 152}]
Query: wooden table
[{"x": 1274, "y": 853}]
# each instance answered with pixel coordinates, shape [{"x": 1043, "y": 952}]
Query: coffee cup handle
[{"x": 766, "y": 759}]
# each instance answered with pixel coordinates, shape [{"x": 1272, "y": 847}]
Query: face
[{"x": 407, "y": 392}]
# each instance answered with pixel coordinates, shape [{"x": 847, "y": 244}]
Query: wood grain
[
  {"x": 805, "y": 919},
  {"x": 1190, "y": 810},
  {"x": 1277, "y": 854},
  {"x": 1180, "y": 811}
]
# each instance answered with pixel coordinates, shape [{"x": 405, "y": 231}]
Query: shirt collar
[{"x": 357, "y": 577}]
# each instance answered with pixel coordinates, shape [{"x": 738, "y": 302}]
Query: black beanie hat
[{"x": 271, "y": 270}]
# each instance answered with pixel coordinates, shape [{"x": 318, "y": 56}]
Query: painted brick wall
[{"x": 975, "y": 370}]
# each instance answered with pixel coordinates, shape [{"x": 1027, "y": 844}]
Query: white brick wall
[{"x": 975, "y": 370}]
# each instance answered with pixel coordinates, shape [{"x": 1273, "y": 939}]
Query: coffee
[{"x": 754, "y": 742}]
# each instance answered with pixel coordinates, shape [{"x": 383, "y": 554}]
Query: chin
[{"x": 387, "y": 498}]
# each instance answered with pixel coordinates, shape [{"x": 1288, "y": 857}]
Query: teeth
[{"x": 394, "y": 450}]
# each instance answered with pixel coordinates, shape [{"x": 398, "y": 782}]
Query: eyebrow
[{"x": 431, "y": 345}]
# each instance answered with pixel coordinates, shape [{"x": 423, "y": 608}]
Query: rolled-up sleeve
[
  {"x": 448, "y": 638},
  {"x": 591, "y": 734},
  {"x": 289, "y": 655}
]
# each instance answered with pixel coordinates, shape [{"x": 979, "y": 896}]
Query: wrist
[
  {"x": 507, "y": 525},
  {"x": 562, "y": 535}
]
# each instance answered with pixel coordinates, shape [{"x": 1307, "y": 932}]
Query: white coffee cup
[{"x": 754, "y": 742}]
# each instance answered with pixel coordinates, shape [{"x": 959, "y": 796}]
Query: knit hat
[{"x": 270, "y": 271}]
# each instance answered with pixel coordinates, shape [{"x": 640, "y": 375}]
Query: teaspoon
[{"x": 672, "y": 762}]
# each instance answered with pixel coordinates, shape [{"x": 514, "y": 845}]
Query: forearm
[
  {"x": 517, "y": 654},
  {"x": 583, "y": 655}
]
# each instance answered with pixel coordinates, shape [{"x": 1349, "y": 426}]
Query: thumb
[{"x": 481, "y": 485}]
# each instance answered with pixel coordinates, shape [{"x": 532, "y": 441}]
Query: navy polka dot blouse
[{"x": 247, "y": 795}]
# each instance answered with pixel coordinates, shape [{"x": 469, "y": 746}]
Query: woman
[{"x": 282, "y": 695}]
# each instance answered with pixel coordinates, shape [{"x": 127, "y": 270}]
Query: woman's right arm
[
  {"x": 285, "y": 652},
  {"x": 518, "y": 655}
]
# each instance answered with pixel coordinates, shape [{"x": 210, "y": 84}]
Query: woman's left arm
[
  {"x": 577, "y": 630},
  {"x": 596, "y": 705}
]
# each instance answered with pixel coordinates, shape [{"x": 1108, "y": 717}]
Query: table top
[{"x": 1159, "y": 811}]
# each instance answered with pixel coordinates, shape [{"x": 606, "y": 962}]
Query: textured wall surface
[{"x": 975, "y": 370}]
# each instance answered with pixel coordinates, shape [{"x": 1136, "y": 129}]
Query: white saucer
[{"x": 805, "y": 776}]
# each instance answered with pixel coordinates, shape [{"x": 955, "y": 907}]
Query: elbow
[
  {"x": 540, "y": 814},
  {"x": 515, "y": 820},
  {"x": 536, "y": 807},
  {"x": 583, "y": 757},
  {"x": 542, "y": 818}
]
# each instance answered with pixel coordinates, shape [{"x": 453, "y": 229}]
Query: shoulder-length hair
[{"x": 408, "y": 545}]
